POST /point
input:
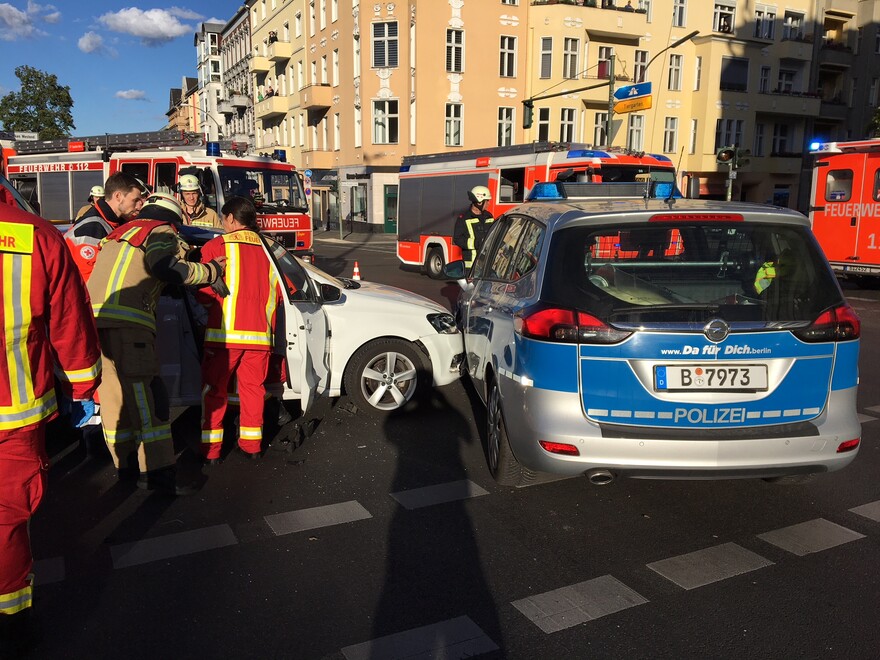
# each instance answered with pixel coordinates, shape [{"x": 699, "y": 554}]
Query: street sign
[
  {"x": 632, "y": 91},
  {"x": 308, "y": 173},
  {"x": 633, "y": 105},
  {"x": 26, "y": 135}
]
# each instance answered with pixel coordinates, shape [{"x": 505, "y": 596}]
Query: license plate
[
  {"x": 858, "y": 269},
  {"x": 711, "y": 378}
]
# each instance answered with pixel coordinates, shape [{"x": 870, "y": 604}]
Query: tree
[
  {"x": 873, "y": 128},
  {"x": 42, "y": 106}
]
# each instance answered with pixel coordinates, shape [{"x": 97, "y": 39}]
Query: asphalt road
[{"x": 368, "y": 538}]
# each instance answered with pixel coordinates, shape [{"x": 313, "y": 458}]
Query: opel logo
[{"x": 716, "y": 330}]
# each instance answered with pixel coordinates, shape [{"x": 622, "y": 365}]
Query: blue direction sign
[{"x": 632, "y": 91}]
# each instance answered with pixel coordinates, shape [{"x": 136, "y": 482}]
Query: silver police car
[{"x": 659, "y": 338}]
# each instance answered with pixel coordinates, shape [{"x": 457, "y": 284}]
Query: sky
[{"x": 119, "y": 59}]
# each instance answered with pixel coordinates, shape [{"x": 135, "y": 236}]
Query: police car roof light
[
  {"x": 696, "y": 217},
  {"x": 213, "y": 149},
  {"x": 544, "y": 191}
]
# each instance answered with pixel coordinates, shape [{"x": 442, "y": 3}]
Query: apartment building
[
  {"x": 356, "y": 86},
  {"x": 207, "y": 44},
  {"x": 235, "y": 104}
]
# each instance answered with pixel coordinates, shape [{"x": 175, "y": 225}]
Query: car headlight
[{"x": 444, "y": 323}]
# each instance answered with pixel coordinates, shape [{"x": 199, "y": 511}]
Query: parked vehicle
[
  {"x": 845, "y": 207},
  {"x": 56, "y": 175},
  {"x": 433, "y": 187},
  {"x": 681, "y": 339},
  {"x": 383, "y": 346}
]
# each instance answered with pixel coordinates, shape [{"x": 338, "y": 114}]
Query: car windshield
[
  {"x": 273, "y": 190},
  {"x": 690, "y": 273}
]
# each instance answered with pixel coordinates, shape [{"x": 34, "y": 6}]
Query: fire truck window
[
  {"x": 209, "y": 190},
  {"x": 164, "y": 177},
  {"x": 138, "y": 170},
  {"x": 838, "y": 185},
  {"x": 511, "y": 185},
  {"x": 876, "y": 193}
]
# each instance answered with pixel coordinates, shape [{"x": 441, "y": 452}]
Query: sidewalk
[{"x": 357, "y": 238}]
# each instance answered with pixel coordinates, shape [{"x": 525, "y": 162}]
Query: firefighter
[
  {"x": 50, "y": 333},
  {"x": 472, "y": 225},
  {"x": 134, "y": 263},
  {"x": 239, "y": 335},
  {"x": 123, "y": 198},
  {"x": 195, "y": 211},
  {"x": 96, "y": 193}
]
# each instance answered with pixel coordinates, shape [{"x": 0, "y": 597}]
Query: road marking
[
  {"x": 455, "y": 638},
  {"x": 811, "y": 536},
  {"x": 697, "y": 569},
  {"x": 874, "y": 409},
  {"x": 578, "y": 603},
  {"x": 871, "y": 511},
  {"x": 864, "y": 419},
  {"x": 172, "y": 545},
  {"x": 319, "y": 516},
  {"x": 451, "y": 491},
  {"x": 47, "y": 571}
]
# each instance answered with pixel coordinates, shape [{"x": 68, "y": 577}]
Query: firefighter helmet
[
  {"x": 161, "y": 201},
  {"x": 96, "y": 191},
  {"x": 189, "y": 182},
  {"x": 479, "y": 194}
]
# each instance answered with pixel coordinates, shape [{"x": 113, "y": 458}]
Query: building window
[
  {"x": 785, "y": 84},
  {"x": 780, "y": 139},
  {"x": 765, "y": 22},
  {"x": 334, "y": 11},
  {"x": 793, "y": 25},
  {"x": 758, "y": 146},
  {"x": 322, "y": 14},
  {"x": 336, "y": 68},
  {"x": 566, "y": 125},
  {"x": 723, "y": 17},
  {"x": 764, "y": 81},
  {"x": 877, "y": 42},
  {"x": 314, "y": 68},
  {"x": 298, "y": 25},
  {"x": 600, "y": 120},
  {"x": 679, "y": 13},
  {"x": 734, "y": 74},
  {"x": 453, "y": 125},
  {"x": 570, "y": 55},
  {"x": 670, "y": 135},
  {"x": 640, "y": 65},
  {"x": 386, "y": 122},
  {"x": 546, "y": 57},
  {"x": 543, "y": 124},
  {"x": 698, "y": 72},
  {"x": 323, "y": 69},
  {"x": 505, "y": 127},
  {"x": 872, "y": 93},
  {"x": 728, "y": 133},
  {"x": 312, "y": 19},
  {"x": 385, "y": 45},
  {"x": 603, "y": 65},
  {"x": 692, "y": 147},
  {"x": 509, "y": 2},
  {"x": 853, "y": 86},
  {"x": 635, "y": 134},
  {"x": 358, "y": 124},
  {"x": 674, "y": 82},
  {"x": 860, "y": 33},
  {"x": 455, "y": 51},
  {"x": 507, "y": 54}
]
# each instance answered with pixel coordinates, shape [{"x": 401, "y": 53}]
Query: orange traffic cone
[{"x": 356, "y": 275}]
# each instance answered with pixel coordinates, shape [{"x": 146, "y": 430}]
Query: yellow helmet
[{"x": 189, "y": 182}]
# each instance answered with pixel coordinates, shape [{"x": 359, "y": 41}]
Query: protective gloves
[{"x": 81, "y": 411}]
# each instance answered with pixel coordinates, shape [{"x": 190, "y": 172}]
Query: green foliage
[
  {"x": 873, "y": 128},
  {"x": 42, "y": 106}
]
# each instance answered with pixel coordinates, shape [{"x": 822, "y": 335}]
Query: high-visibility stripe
[
  {"x": 272, "y": 301},
  {"x": 119, "y": 435},
  {"x": 230, "y": 337},
  {"x": 16, "y": 416},
  {"x": 82, "y": 375},
  {"x": 251, "y": 433},
  {"x": 119, "y": 270},
  {"x": 16, "y": 601},
  {"x": 212, "y": 436},
  {"x": 17, "y": 312},
  {"x": 233, "y": 273},
  {"x": 154, "y": 433},
  {"x": 116, "y": 312}
]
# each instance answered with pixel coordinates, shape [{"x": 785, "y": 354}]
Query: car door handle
[{"x": 307, "y": 326}]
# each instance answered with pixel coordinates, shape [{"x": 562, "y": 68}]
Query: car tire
[
  {"x": 434, "y": 263},
  {"x": 375, "y": 388},
  {"x": 503, "y": 466}
]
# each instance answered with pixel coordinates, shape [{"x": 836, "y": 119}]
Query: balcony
[
  {"x": 225, "y": 107},
  {"x": 273, "y": 106},
  {"x": 259, "y": 64},
  {"x": 603, "y": 19},
  {"x": 280, "y": 51},
  {"x": 240, "y": 101},
  {"x": 787, "y": 103},
  {"x": 794, "y": 49},
  {"x": 319, "y": 159},
  {"x": 834, "y": 110},
  {"x": 316, "y": 96},
  {"x": 837, "y": 56}
]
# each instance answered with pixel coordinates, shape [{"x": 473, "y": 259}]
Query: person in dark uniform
[{"x": 472, "y": 226}]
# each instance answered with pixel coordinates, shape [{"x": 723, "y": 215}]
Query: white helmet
[
  {"x": 479, "y": 194},
  {"x": 96, "y": 191},
  {"x": 162, "y": 201},
  {"x": 189, "y": 182}
]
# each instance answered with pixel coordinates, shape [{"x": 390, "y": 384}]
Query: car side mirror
[
  {"x": 330, "y": 293},
  {"x": 454, "y": 270}
]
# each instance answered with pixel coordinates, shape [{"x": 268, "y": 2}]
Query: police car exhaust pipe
[{"x": 600, "y": 476}]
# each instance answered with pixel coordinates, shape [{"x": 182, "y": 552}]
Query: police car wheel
[
  {"x": 503, "y": 466},
  {"x": 434, "y": 263},
  {"x": 385, "y": 375}
]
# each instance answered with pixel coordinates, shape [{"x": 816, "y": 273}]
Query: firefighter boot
[{"x": 165, "y": 482}]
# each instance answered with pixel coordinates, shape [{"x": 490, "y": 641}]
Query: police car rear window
[{"x": 688, "y": 272}]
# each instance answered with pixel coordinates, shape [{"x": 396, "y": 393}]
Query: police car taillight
[
  {"x": 565, "y": 326},
  {"x": 837, "y": 324}
]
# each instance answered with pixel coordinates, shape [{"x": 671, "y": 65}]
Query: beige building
[
  {"x": 236, "y": 104},
  {"x": 356, "y": 86}
]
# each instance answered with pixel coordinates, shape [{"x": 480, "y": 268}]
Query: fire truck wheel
[
  {"x": 868, "y": 282},
  {"x": 434, "y": 263}
]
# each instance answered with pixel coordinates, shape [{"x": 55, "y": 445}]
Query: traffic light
[
  {"x": 726, "y": 156},
  {"x": 742, "y": 157},
  {"x": 528, "y": 109}
]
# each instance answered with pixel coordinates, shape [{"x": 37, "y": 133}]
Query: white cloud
[
  {"x": 54, "y": 17},
  {"x": 185, "y": 14},
  {"x": 90, "y": 42},
  {"x": 15, "y": 24},
  {"x": 153, "y": 27},
  {"x": 131, "y": 94}
]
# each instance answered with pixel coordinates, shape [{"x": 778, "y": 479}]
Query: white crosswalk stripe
[
  {"x": 697, "y": 569},
  {"x": 811, "y": 536}
]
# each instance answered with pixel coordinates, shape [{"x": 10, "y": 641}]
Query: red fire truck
[
  {"x": 55, "y": 176},
  {"x": 845, "y": 207},
  {"x": 433, "y": 187}
]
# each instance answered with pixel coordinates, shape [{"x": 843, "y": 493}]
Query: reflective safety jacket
[
  {"x": 47, "y": 322},
  {"x": 246, "y": 317},
  {"x": 470, "y": 232},
  {"x": 84, "y": 238},
  {"x": 135, "y": 262},
  {"x": 202, "y": 216}
]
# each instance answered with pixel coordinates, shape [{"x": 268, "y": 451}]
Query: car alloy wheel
[{"x": 385, "y": 375}]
